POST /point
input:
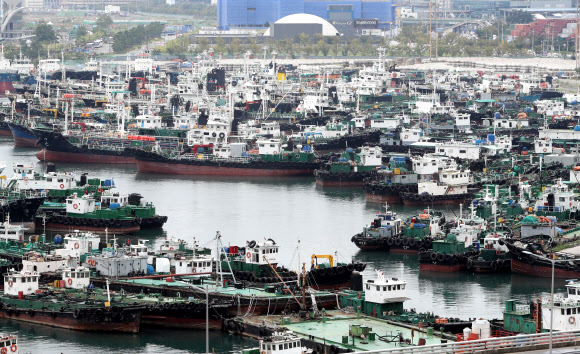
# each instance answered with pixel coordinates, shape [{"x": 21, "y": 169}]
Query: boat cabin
[
  {"x": 78, "y": 244},
  {"x": 256, "y": 251},
  {"x": 82, "y": 205},
  {"x": 25, "y": 282},
  {"x": 9, "y": 231},
  {"x": 543, "y": 146},
  {"x": 114, "y": 200},
  {"x": 148, "y": 121},
  {"x": 75, "y": 278},
  {"x": 198, "y": 264},
  {"x": 35, "y": 262},
  {"x": 371, "y": 156},
  {"x": 9, "y": 341},
  {"x": 281, "y": 343},
  {"x": 140, "y": 249},
  {"x": 269, "y": 146},
  {"x": 566, "y": 309},
  {"x": 384, "y": 290}
]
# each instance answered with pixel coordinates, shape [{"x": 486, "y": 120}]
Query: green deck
[
  {"x": 338, "y": 323},
  {"x": 221, "y": 290}
]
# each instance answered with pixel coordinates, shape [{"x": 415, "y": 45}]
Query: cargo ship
[
  {"x": 269, "y": 160},
  {"x": 23, "y": 136}
]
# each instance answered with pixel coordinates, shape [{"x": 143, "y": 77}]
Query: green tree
[
  {"x": 81, "y": 31},
  {"x": 104, "y": 22},
  {"x": 44, "y": 33}
]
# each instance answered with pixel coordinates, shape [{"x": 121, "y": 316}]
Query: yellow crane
[{"x": 327, "y": 256}]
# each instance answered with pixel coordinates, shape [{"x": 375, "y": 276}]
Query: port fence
[{"x": 510, "y": 344}]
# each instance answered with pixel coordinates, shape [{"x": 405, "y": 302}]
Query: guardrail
[{"x": 518, "y": 343}]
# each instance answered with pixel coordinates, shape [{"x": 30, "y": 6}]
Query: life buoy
[
  {"x": 352, "y": 163},
  {"x": 70, "y": 282},
  {"x": 76, "y": 206},
  {"x": 465, "y": 238},
  {"x": 26, "y": 179},
  {"x": 545, "y": 150},
  {"x": 10, "y": 283},
  {"x": 193, "y": 270},
  {"x": 62, "y": 186},
  {"x": 571, "y": 320},
  {"x": 171, "y": 248},
  {"x": 100, "y": 190},
  {"x": 4, "y": 350},
  {"x": 275, "y": 152},
  {"x": 358, "y": 295},
  {"x": 248, "y": 255},
  {"x": 451, "y": 189},
  {"x": 406, "y": 137},
  {"x": 76, "y": 245},
  {"x": 13, "y": 347},
  {"x": 497, "y": 252}
]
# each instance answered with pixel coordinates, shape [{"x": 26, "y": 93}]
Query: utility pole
[
  {"x": 576, "y": 40},
  {"x": 430, "y": 29}
]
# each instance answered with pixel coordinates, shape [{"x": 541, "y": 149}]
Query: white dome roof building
[{"x": 293, "y": 25}]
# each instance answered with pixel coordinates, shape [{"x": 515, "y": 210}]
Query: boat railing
[
  {"x": 507, "y": 344},
  {"x": 207, "y": 157}
]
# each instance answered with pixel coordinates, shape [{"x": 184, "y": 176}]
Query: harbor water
[{"x": 286, "y": 210}]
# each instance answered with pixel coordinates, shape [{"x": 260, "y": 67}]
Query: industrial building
[{"x": 262, "y": 13}]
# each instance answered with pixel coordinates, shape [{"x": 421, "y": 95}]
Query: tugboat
[
  {"x": 493, "y": 257},
  {"x": 390, "y": 182},
  {"x": 116, "y": 212},
  {"x": 558, "y": 201},
  {"x": 351, "y": 168},
  {"x": 451, "y": 254},
  {"x": 565, "y": 318},
  {"x": 23, "y": 300},
  {"x": 270, "y": 160},
  {"x": 57, "y": 186},
  {"x": 449, "y": 187},
  {"x": 376, "y": 237},
  {"x": 248, "y": 264}
]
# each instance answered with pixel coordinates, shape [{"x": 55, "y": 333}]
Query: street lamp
[{"x": 553, "y": 261}]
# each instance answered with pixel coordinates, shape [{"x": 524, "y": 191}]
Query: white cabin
[
  {"x": 430, "y": 164},
  {"x": 82, "y": 205},
  {"x": 269, "y": 146},
  {"x": 410, "y": 136},
  {"x": 198, "y": 264},
  {"x": 543, "y": 146},
  {"x": 255, "y": 252},
  {"x": 282, "y": 343},
  {"x": 35, "y": 262},
  {"x": 549, "y": 107},
  {"x": 459, "y": 150},
  {"x": 25, "y": 282},
  {"x": 511, "y": 123},
  {"x": 149, "y": 121},
  {"x": 78, "y": 244},
  {"x": 75, "y": 278},
  {"x": 270, "y": 129},
  {"x": 566, "y": 309},
  {"x": 384, "y": 290},
  {"x": 451, "y": 181},
  {"x": 371, "y": 156},
  {"x": 9, "y": 231}
]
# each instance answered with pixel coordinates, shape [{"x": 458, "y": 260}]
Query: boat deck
[
  {"x": 337, "y": 325},
  {"x": 257, "y": 292}
]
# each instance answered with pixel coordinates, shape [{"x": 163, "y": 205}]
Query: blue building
[{"x": 260, "y": 13}]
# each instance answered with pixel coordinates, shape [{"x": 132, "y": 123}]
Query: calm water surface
[{"x": 285, "y": 209}]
